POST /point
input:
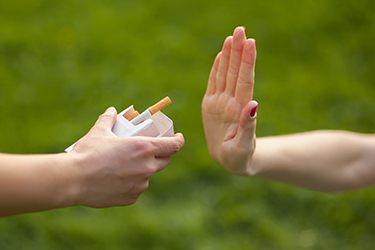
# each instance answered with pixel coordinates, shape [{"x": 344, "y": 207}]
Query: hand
[
  {"x": 229, "y": 114},
  {"x": 114, "y": 171}
]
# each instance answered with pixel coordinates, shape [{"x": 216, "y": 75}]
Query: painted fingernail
[{"x": 253, "y": 111}]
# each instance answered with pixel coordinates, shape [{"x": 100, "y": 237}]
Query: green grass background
[{"x": 63, "y": 62}]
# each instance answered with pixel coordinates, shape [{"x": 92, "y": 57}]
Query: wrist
[
  {"x": 69, "y": 192},
  {"x": 253, "y": 164}
]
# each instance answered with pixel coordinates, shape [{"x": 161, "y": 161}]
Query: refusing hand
[{"x": 229, "y": 113}]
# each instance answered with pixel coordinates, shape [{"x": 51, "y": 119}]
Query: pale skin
[
  {"x": 103, "y": 170},
  {"x": 319, "y": 160}
]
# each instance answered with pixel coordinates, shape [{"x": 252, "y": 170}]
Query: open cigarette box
[
  {"x": 156, "y": 125},
  {"x": 151, "y": 122}
]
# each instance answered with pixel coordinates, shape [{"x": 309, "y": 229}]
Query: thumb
[
  {"x": 246, "y": 130},
  {"x": 107, "y": 119},
  {"x": 167, "y": 146}
]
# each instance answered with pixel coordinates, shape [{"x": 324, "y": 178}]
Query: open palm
[{"x": 228, "y": 110}]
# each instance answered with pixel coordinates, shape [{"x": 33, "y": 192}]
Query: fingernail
[
  {"x": 111, "y": 111},
  {"x": 253, "y": 111}
]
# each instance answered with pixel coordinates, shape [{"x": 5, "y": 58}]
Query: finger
[
  {"x": 143, "y": 186},
  {"x": 246, "y": 130},
  {"x": 167, "y": 146},
  {"x": 212, "y": 79},
  {"x": 223, "y": 65},
  {"x": 239, "y": 39},
  {"x": 162, "y": 163},
  {"x": 245, "y": 81},
  {"x": 107, "y": 119}
]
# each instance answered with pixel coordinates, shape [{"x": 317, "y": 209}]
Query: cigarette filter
[{"x": 152, "y": 110}]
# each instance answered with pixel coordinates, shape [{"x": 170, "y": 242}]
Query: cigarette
[
  {"x": 151, "y": 110},
  {"x": 131, "y": 114},
  {"x": 160, "y": 105}
]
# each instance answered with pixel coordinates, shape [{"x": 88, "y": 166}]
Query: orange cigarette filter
[
  {"x": 131, "y": 114},
  {"x": 160, "y": 105}
]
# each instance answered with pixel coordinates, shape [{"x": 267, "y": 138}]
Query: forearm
[
  {"x": 35, "y": 182},
  {"x": 321, "y": 160}
]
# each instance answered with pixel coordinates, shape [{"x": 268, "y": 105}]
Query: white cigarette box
[{"x": 155, "y": 126}]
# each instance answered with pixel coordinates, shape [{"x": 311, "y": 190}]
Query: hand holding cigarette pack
[{"x": 152, "y": 122}]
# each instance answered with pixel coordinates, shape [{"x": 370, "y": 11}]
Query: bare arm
[
  {"x": 320, "y": 160},
  {"x": 35, "y": 182},
  {"x": 103, "y": 170}
]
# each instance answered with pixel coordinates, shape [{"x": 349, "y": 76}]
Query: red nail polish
[{"x": 253, "y": 111}]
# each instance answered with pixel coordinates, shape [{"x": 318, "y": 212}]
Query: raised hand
[{"x": 229, "y": 113}]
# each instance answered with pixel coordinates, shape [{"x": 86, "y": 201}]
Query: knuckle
[
  {"x": 236, "y": 49},
  {"x": 98, "y": 129},
  {"x": 104, "y": 117},
  {"x": 137, "y": 144},
  {"x": 145, "y": 186},
  {"x": 232, "y": 70},
  {"x": 150, "y": 170},
  {"x": 131, "y": 200},
  {"x": 175, "y": 147},
  {"x": 247, "y": 64},
  {"x": 148, "y": 150},
  {"x": 243, "y": 79},
  {"x": 143, "y": 147},
  {"x": 220, "y": 78}
]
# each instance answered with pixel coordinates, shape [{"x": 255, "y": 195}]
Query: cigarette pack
[{"x": 155, "y": 125}]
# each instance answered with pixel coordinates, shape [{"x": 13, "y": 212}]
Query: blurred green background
[{"x": 63, "y": 62}]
